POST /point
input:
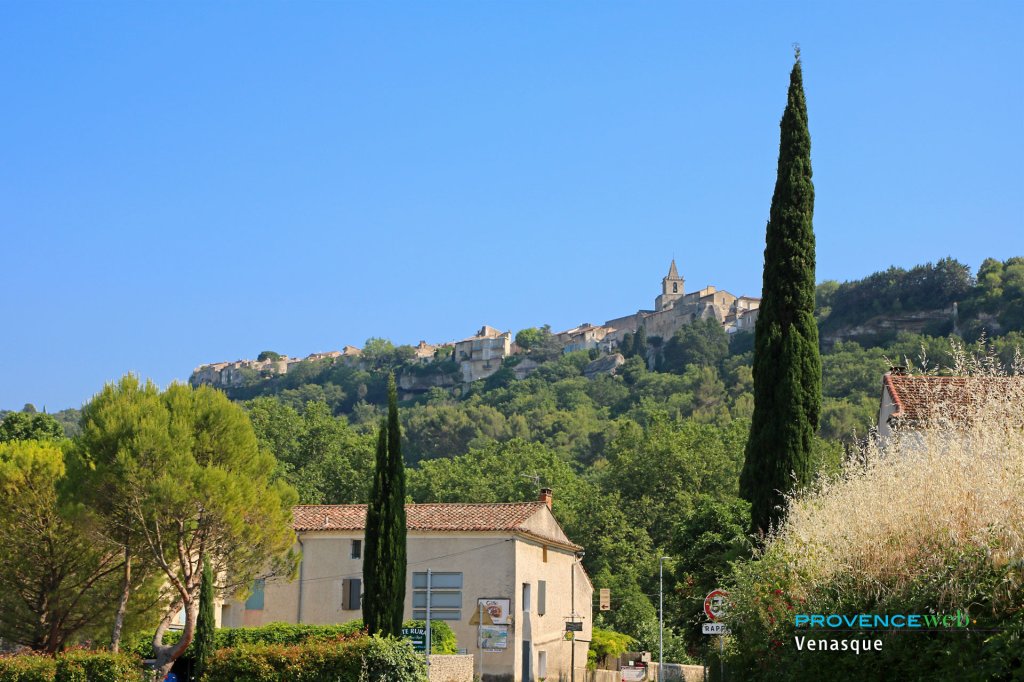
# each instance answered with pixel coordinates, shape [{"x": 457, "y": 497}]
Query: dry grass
[{"x": 945, "y": 488}]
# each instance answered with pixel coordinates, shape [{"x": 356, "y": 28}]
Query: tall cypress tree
[
  {"x": 204, "y": 644},
  {"x": 385, "y": 563},
  {"x": 787, "y": 366}
]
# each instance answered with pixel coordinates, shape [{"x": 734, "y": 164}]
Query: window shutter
[
  {"x": 542, "y": 596},
  {"x": 350, "y": 594}
]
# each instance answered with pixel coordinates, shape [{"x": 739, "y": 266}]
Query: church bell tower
[{"x": 671, "y": 289}]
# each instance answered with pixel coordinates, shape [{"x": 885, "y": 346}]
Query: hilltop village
[{"x": 482, "y": 354}]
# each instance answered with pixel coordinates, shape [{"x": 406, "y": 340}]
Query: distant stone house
[
  {"x": 481, "y": 355},
  {"x": 583, "y": 337},
  {"x": 505, "y": 577}
]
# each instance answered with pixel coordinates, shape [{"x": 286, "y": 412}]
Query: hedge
[
  {"x": 77, "y": 665},
  {"x": 366, "y": 659},
  {"x": 442, "y": 638}
]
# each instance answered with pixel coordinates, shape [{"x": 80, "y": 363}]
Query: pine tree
[
  {"x": 787, "y": 366},
  {"x": 385, "y": 563},
  {"x": 204, "y": 644}
]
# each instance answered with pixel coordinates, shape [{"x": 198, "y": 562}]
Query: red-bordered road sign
[{"x": 714, "y": 604}]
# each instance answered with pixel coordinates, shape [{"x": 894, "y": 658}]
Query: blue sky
[{"x": 191, "y": 182}]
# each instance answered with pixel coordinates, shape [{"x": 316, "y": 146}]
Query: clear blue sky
[{"x": 183, "y": 183}]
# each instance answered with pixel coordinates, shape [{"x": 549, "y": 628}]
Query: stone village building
[
  {"x": 511, "y": 562},
  {"x": 674, "y": 308},
  {"x": 481, "y": 355}
]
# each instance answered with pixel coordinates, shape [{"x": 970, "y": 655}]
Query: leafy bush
[
  {"x": 72, "y": 666},
  {"x": 365, "y": 659},
  {"x": 442, "y": 637},
  {"x": 27, "y": 668},
  {"x": 606, "y": 644}
]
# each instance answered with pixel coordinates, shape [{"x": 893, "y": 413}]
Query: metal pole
[
  {"x": 428, "y": 618},
  {"x": 572, "y": 642},
  {"x": 661, "y": 618},
  {"x": 480, "y": 624}
]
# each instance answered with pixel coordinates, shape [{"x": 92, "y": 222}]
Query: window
[
  {"x": 357, "y": 549},
  {"x": 542, "y": 596},
  {"x": 445, "y": 596},
  {"x": 675, "y": 288},
  {"x": 544, "y": 553},
  {"x": 526, "y": 596},
  {"x": 255, "y": 600},
  {"x": 351, "y": 597},
  {"x": 542, "y": 664}
]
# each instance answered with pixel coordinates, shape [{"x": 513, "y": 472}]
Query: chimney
[{"x": 545, "y": 496}]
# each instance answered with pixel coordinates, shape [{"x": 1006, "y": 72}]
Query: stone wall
[
  {"x": 674, "y": 672},
  {"x": 451, "y": 668}
]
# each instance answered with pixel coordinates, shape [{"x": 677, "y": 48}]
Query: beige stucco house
[{"x": 510, "y": 563}]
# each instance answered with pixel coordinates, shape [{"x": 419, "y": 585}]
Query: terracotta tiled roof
[
  {"x": 918, "y": 397},
  {"x": 509, "y": 517}
]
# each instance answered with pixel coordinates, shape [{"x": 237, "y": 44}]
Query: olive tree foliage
[
  {"x": 55, "y": 579},
  {"x": 185, "y": 483}
]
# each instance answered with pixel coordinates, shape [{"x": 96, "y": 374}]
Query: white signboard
[
  {"x": 633, "y": 674},
  {"x": 495, "y": 611},
  {"x": 715, "y": 629}
]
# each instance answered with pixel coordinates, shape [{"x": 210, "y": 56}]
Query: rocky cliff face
[{"x": 934, "y": 322}]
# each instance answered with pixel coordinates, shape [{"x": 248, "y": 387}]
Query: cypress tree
[
  {"x": 385, "y": 563},
  {"x": 787, "y": 366},
  {"x": 640, "y": 343},
  {"x": 626, "y": 345},
  {"x": 203, "y": 645}
]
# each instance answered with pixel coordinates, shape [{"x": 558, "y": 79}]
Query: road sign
[
  {"x": 715, "y": 629},
  {"x": 714, "y": 604},
  {"x": 573, "y": 627},
  {"x": 606, "y": 599},
  {"x": 418, "y": 636}
]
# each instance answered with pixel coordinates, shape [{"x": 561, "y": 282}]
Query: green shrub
[
  {"x": 442, "y": 637},
  {"x": 608, "y": 644},
  {"x": 71, "y": 666},
  {"x": 27, "y": 668},
  {"x": 366, "y": 659}
]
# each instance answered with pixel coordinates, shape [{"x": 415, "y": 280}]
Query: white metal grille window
[{"x": 445, "y": 596}]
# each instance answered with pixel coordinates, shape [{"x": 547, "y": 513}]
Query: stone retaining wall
[{"x": 451, "y": 668}]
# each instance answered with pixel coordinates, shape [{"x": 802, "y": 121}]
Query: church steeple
[{"x": 671, "y": 288}]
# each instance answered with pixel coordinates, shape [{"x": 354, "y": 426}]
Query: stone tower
[{"x": 671, "y": 289}]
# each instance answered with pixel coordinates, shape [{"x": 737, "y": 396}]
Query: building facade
[{"x": 504, "y": 576}]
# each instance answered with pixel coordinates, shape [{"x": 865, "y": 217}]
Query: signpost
[
  {"x": 714, "y": 609},
  {"x": 605, "y": 599}
]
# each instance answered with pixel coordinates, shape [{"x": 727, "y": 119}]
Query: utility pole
[
  {"x": 428, "y": 619},
  {"x": 661, "y": 617},
  {"x": 572, "y": 642},
  {"x": 480, "y": 623}
]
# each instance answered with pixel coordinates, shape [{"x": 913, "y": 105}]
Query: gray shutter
[
  {"x": 542, "y": 596},
  {"x": 350, "y": 594}
]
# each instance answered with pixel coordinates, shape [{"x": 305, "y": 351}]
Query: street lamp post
[{"x": 661, "y": 617}]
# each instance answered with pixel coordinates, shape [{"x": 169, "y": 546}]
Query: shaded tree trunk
[{"x": 122, "y": 605}]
